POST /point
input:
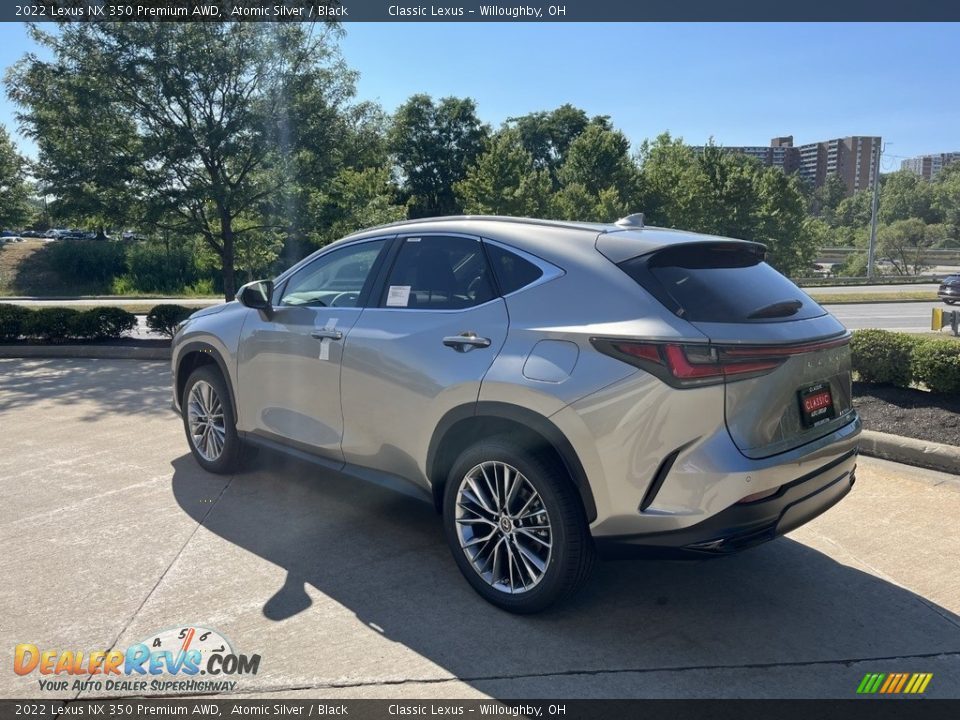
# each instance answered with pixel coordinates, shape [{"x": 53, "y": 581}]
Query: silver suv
[{"x": 555, "y": 388}]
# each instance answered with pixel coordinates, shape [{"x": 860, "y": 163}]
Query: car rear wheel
[
  {"x": 208, "y": 421},
  {"x": 516, "y": 527}
]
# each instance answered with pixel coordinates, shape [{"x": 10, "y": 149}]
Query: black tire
[
  {"x": 949, "y": 302},
  {"x": 232, "y": 452},
  {"x": 572, "y": 554}
]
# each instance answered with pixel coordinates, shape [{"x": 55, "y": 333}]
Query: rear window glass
[
  {"x": 512, "y": 271},
  {"x": 720, "y": 283}
]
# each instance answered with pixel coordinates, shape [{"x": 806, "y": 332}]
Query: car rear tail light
[{"x": 699, "y": 364}]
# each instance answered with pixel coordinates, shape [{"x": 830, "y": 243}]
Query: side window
[
  {"x": 439, "y": 273},
  {"x": 335, "y": 279},
  {"x": 512, "y": 271}
]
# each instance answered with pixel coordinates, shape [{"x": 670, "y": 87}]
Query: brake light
[{"x": 696, "y": 364}]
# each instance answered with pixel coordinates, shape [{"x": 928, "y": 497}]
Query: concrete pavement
[{"x": 346, "y": 589}]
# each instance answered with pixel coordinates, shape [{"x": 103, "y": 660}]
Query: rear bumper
[{"x": 745, "y": 525}]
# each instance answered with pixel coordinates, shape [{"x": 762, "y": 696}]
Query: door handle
[
  {"x": 466, "y": 341},
  {"x": 325, "y": 333}
]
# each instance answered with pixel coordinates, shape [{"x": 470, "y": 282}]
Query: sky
[{"x": 740, "y": 84}]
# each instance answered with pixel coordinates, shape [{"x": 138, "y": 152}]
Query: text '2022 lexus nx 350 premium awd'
[{"x": 557, "y": 389}]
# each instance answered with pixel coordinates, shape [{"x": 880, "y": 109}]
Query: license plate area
[{"x": 816, "y": 404}]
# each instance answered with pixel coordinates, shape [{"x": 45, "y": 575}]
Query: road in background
[{"x": 906, "y": 316}]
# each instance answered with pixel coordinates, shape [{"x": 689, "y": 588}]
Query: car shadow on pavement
[
  {"x": 381, "y": 555},
  {"x": 129, "y": 387}
]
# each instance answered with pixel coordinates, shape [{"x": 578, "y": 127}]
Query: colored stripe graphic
[{"x": 894, "y": 683}]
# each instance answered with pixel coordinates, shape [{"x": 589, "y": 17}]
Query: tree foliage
[
  {"x": 434, "y": 145},
  {"x": 205, "y": 122},
  {"x": 14, "y": 193},
  {"x": 505, "y": 181}
]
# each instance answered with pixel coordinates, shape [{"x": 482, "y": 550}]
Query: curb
[
  {"x": 909, "y": 451},
  {"x": 100, "y": 352}
]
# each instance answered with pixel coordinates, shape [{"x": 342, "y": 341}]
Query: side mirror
[{"x": 257, "y": 295}]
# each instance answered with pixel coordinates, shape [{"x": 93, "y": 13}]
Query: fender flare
[
  {"x": 199, "y": 346},
  {"x": 528, "y": 418}
]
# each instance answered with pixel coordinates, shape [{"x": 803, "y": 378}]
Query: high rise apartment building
[
  {"x": 929, "y": 166},
  {"x": 855, "y": 159}
]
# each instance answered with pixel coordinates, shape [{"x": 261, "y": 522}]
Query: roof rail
[{"x": 634, "y": 221}]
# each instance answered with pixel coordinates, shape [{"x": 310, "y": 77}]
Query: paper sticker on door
[{"x": 398, "y": 296}]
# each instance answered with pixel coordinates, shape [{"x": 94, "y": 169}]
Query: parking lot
[{"x": 112, "y": 533}]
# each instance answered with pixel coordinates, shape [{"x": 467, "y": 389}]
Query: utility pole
[{"x": 871, "y": 249}]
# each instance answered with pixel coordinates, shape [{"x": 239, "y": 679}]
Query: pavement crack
[{"x": 166, "y": 570}]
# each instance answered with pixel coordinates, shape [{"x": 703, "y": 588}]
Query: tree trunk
[{"x": 226, "y": 238}]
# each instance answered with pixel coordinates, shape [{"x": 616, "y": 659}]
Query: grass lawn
[{"x": 881, "y": 296}]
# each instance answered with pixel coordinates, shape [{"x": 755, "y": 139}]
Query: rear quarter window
[
  {"x": 720, "y": 282},
  {"x": 512, "y": 271}
]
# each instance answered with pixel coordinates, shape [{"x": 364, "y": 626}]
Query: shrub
[
  {"x": 51, "y": 324},
  {"x": 936, "y": 363},
  {"x": 883, "y": 357},
  {"x": 86, "y": 260},
  {"x": 104, "y": 323},
  {"x": 12, "y": 320},
  {"x": 155, "y": 267},
  {"x": 165, "y": 318}
]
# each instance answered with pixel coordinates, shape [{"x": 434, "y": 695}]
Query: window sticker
[{"x": 398, "y": 296}]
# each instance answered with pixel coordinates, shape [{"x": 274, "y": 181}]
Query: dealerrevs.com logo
[{"x": 168, "y": 661}]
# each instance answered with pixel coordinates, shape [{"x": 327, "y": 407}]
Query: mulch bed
[{"x": 908, "y": 412}]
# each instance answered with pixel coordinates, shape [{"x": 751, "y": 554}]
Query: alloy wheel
[
  {"x": 503, "y": 527},
  {"x": 205, "y": 418}
]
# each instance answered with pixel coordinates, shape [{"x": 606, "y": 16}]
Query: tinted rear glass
[
  {"x": 512, "y": 271},
  {"x": 720, "y": 283}
]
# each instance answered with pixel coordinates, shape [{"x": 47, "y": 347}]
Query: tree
[
  {"x": 599, "y": 176},
  {"x": 904, "y": 195},
  {"x": 504, "y": 181},
  {"x": 854, "y": 211},
  {"x": 946, "y": 199},
  {"x": 828, "y": 197},
  {"x": 724, "y": 193},
  {"x": 356, "y": 199},
  {"x": 14, "y": 192},
  {"x": 547, "y": 135},
  {"x": 205, "y": 122},
  {"x": 434, "y": 145},
  {"x": 904, "y": 243}
]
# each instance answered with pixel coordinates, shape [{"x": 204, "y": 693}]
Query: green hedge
[
  {"x": 892, "y": 358},
  {"x": 936, "y": 363},
  {"x": 166, "y": 318},
  {"x": 57, "y": 324},
  {"x": 883, "y": 357},
  {"x": 12, "y": 320}
]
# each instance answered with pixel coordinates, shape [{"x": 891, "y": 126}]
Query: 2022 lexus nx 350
[{"x": 556, "y": 388}]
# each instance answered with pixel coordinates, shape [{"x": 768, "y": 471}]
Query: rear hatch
[{"x": 785, "y": 360}]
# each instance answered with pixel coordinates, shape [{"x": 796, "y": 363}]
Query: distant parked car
[{"x": 949, "y": 290}]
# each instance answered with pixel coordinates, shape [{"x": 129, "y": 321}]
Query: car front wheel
[
  {"x": 208, "y": 421},
  {"x": 516, "y": 526}
]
